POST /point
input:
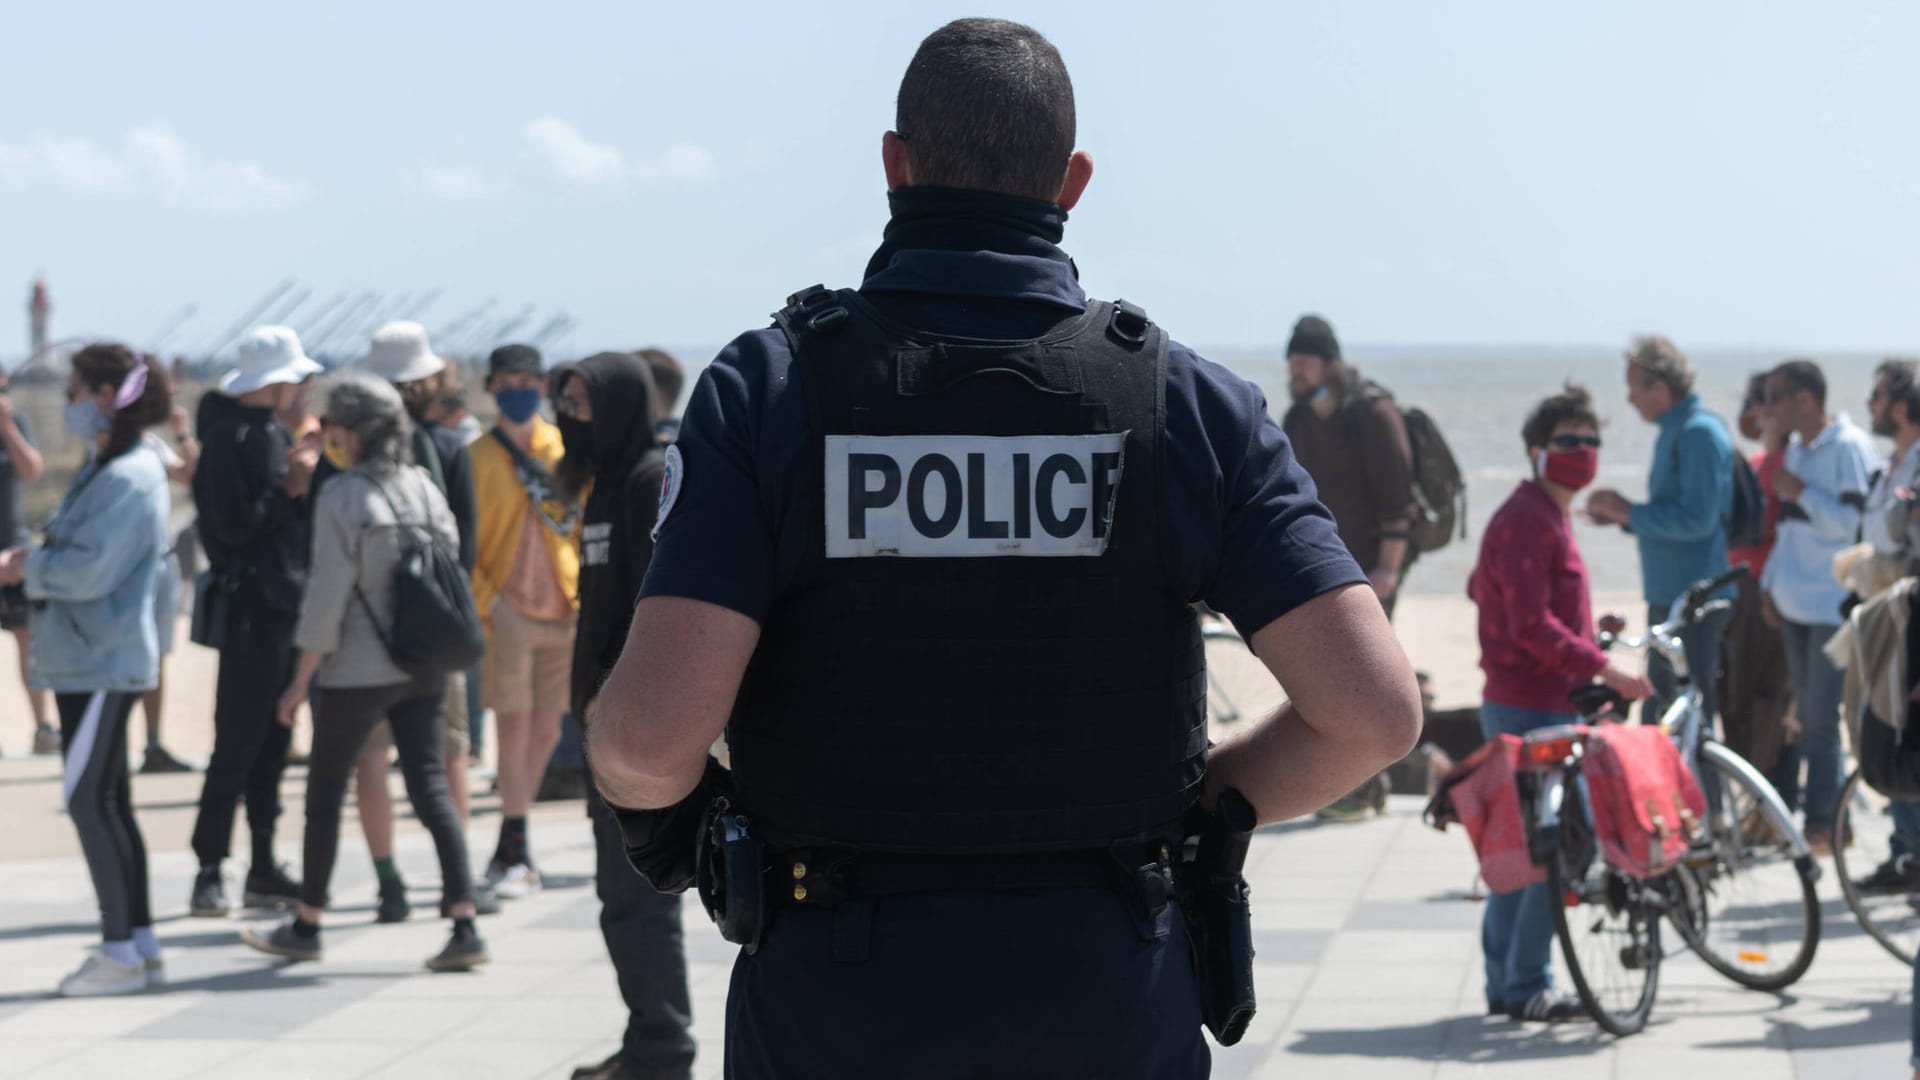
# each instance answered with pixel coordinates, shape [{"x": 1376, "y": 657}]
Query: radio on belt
[{"x": 971, "y": 496}]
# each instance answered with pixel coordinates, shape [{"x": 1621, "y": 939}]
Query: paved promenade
[{"x": 1368, "y": 963}]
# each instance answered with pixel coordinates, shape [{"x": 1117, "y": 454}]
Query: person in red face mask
[{"x": 1536, "y": 646}]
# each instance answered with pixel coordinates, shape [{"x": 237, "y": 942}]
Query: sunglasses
[{"x": 1574, "y": 442}]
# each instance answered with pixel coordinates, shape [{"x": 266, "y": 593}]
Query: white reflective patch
[
  {"x": 596, "y": 544},
  {"x": 971, "y": 496},
  {"x": 671, "y": 481}
]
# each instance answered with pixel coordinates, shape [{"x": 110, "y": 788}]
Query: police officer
[{"x": 926, "y": 551}]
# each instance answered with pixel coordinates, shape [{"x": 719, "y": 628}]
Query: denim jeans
[
  {"x": 1906, "y": 827},
  {"x": 1516, "y": 930},
  {"x": 1702, "y": 642},
  {"x": 1817, "y": 687}
]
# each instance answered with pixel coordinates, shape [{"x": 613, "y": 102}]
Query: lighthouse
[{"x": 37, "y": 311}]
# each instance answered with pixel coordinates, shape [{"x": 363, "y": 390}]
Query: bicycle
[
  {"x": 1744, "y": 896},
  {"x": 1239, "y": 686},
  {"x": 1891, "y": 918},
  {"x": 1607, "y": 921}
]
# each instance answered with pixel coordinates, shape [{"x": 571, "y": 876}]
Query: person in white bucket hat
[
  {"x": 402, "y": 354},
  {"x": 251, "y": 497},
  {"x": 269, "y": 356}
]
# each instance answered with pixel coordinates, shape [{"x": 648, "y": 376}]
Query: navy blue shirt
[{"x": 1250, "y": 536}]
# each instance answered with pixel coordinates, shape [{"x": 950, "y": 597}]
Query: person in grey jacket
[
  {"x": 93, "y": 585},
  {"x": 362, "y": 519}
]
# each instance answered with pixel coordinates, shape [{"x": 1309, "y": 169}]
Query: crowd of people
[
  {"x": 306, "y": 515},
  {"x": 1814, "y": 501}
]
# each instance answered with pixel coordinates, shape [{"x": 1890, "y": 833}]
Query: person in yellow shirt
[{"x": 525, "y": 579}]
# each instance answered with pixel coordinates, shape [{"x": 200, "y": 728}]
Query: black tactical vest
[{"x": 982, "y": 651}]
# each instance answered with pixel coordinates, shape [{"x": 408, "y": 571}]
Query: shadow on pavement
[{"x": 1465, "y": 1039}]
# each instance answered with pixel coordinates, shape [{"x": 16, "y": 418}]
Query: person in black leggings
[
  {"x": 93, "y": 584},
  {"x": 364, "y": 520}
]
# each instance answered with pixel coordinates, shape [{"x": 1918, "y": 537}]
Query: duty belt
[{"x": 1139, "y": 870}]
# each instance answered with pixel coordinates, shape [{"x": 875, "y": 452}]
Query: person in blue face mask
[{"x": 525, "y": 583}]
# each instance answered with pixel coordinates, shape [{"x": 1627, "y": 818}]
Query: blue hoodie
[
  {"x": 1681, "y": 527},
  {"x": 98, "y": 574}
]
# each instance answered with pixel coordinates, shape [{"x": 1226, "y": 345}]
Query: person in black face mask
[{"x": 605, "y": 406}]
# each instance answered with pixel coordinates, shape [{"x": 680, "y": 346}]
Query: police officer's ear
[
  {"x": 1079, "y": 174},
  {"x": 893, "y": 158}
]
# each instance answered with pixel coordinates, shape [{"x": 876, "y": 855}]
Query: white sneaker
[
  {"x": 103, "y": 976},
  {"x": 518, "y": 882},
  {"x": 156, "y": 972}
]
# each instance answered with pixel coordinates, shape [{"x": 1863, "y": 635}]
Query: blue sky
[{"x": 1731, "y": 173}]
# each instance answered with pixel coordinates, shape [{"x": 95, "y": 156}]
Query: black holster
[
  {"x": 1214, "y": 902},
  {"x": 731, "y": 874}
]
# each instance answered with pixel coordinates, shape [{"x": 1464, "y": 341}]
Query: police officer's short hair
[
  {"x": 986, "y": 105},
  {"x": 1902, "y": 377},
  {"x": 1658, "y": 357},
  {"x": 1801, "y": 375}
]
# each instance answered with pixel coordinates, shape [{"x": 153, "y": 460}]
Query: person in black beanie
[
  {"x": 1349, "y": 435},
  {"x": 606, "y": 408}
]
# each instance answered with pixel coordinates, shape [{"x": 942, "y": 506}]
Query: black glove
[{"x": 662, "y": 844}]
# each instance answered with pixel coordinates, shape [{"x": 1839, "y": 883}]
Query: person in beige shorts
[{"x": 525, "y": 579}]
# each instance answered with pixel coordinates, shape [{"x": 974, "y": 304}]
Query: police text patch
[{"x": 971, "y": 496}]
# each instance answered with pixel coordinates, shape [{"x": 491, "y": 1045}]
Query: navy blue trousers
[{"x": 1056, "y": 984}]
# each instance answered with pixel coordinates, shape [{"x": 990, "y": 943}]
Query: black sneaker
[
  {"x": 614, "y": 1068},
  {"x": 270, "y": 887},
  {"x": 464, "y": 952},
  {"x": 159, "y": 760},
  {"x": 1897, "y": 875},
  {"x": 284, "y": 941},
  {"x": 209, "y": 895},
  {"x": 393, "y": 902}
]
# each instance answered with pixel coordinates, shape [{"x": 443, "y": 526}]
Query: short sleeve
[
  {"x": 1251, "y": 537},
  {"x": 714, "y": 541}
]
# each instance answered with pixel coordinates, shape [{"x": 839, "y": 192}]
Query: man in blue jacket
[{"x": 1681, "y": 527}]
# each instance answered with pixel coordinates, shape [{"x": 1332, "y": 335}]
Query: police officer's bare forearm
[{"x": 1353, "y": 709}]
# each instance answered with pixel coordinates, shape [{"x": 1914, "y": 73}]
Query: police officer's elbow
[{"x": 1397, "y": 722}]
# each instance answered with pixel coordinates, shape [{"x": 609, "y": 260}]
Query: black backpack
[
  {"x": 1439, "y": 490},
  {"x": 1746, "y": 517},
  {"x": 436, "y": 629}
]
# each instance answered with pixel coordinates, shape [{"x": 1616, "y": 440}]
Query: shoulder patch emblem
[{"x": 671, "y": 481}]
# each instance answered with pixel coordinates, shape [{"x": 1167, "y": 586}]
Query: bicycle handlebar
[{"x": 1701, "y": 590}]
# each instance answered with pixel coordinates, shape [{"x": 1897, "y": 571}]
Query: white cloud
[
  {"x": 571, "y": 157},
  {"x": 151, "y": 161},
  {"x": 568, "y": 155},
  {"x": 460, "y": 185}
]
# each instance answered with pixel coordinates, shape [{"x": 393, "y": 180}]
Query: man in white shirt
[{"x": 1823, "y": 492}]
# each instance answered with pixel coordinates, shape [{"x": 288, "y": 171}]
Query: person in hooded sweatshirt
[{"x": 606, "y": 408}]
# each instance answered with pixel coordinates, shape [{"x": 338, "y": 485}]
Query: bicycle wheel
[
  {"x": 1749, "y": 906},
  {"x": 1609, "y": 930},
  {"x": 1240, "y": 689},
  {"x": 1889, "y": 918}
]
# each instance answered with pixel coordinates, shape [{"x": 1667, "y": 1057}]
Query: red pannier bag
[
  {"x": 1483, "y": 794},
  {"x": 1646, "y": 804}
]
